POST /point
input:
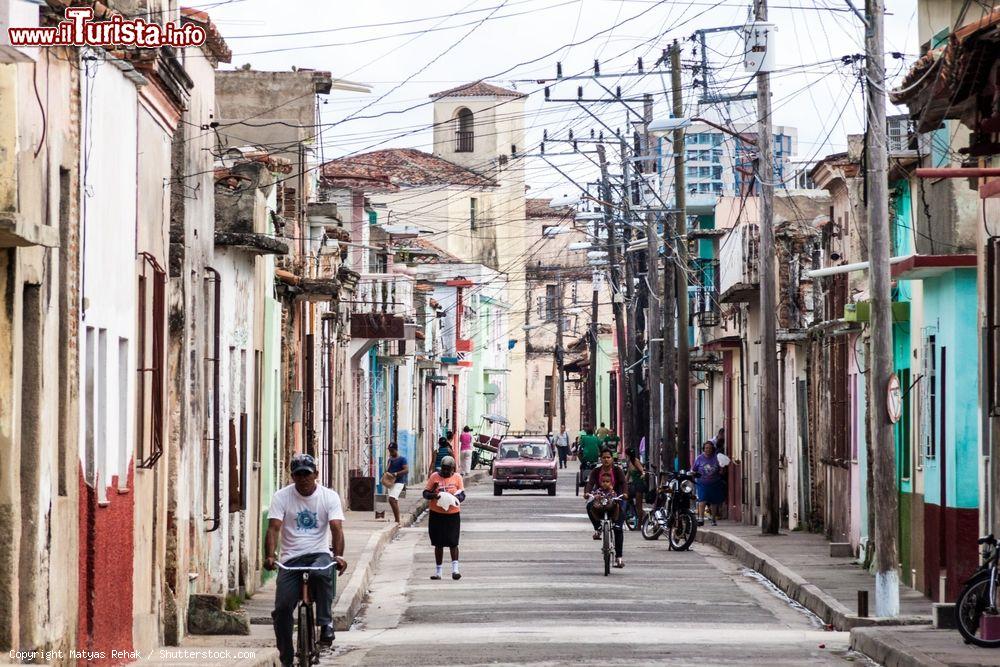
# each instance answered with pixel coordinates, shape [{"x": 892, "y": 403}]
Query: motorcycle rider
[{"x": 618, "y": 482}]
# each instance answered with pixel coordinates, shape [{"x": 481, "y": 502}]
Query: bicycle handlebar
[{"x": 282, "y": 566}]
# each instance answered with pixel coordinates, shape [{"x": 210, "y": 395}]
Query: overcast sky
[{"x": 435, "y": 45}]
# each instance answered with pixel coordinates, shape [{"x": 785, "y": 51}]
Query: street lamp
[{"x": 663, "y": 126}]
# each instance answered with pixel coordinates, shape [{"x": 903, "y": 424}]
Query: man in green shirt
[{"x": 590, "y": 448}]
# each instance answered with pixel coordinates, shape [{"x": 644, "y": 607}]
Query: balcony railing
[
  {"x": 704, "y": 292},
  {"x": 384, "y": 293},
  {"x": 738, "y": 258},
  {"x": 464, "y": 141}
]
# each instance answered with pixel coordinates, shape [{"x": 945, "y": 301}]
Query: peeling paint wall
[{"x": 38, "y": 357}]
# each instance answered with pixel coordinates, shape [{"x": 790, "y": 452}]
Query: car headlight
[{"x": 687, "y": 486}]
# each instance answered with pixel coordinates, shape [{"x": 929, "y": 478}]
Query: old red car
[{"x": 525, "y": 463}]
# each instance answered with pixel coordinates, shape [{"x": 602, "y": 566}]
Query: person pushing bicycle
[
  {"x": 604, "y": 480},
  {"x": 304, "y": 514}
]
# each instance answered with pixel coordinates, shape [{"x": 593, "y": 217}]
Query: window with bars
[
  {"x": 464, "y": 133},
  {"x": 547, "y": 409},
  {"x": 928, "y": 394},
  {"x": 150, "y": 331},
  {"x": 550, "y": 303}
]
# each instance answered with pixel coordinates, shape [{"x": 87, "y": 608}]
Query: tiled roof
[
  {"x": 540, "y": 208},
  {"x": 404, "y": 167},
  {"x": 478, "y": 89},
  {"x": 215, "y": 44}
]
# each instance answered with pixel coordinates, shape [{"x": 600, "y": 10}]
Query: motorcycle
[
  {"x": 673, "y": 512},
  {"x": 976, "y": 612}
]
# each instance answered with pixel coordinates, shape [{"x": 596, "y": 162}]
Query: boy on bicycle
[
  {"x": 304, "y": 514},
  {"x": 617, "y": 484}
]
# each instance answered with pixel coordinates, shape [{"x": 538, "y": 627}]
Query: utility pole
[
  {"x": 616, "y": 283},
  {"x": 559, "y": 358},
  {"x": 680, "y": 195},
  {"x": 660, "y": 453},
  {"x": 770, "y": 522},
  {"x": 592, "y": 370},
  {"x": 629, "y": 347},
  {"x": 884, "y": 473}
]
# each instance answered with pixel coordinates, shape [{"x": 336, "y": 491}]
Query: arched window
[{"x": 463, "y": 131}]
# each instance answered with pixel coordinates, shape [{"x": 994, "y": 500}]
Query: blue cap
[{"x": 301, "y": 462}]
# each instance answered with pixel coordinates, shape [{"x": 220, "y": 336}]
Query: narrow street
[{"x": 533, "y": 592}]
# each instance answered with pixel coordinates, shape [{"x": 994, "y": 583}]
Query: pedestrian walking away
[
  {"x": 465, "y": 449},
  {"x": 445, "y": 492},
  {"x": 618, "y": 483},
  {"x": 399, "y": 469},
  {"x": 444, "y": 449},
  {"x": 603, "y": 431},
  {"x": 562, "y": 445},
  {"x": 709, "y": 484},
  {"x": 304, "y": 515}
]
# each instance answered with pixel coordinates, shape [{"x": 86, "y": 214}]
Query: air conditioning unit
[
  {"x": 17, "y": 14},
  {"x": 898, "y": 130}
]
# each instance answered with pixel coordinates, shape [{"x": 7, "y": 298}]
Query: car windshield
[{"x": 525, "y": 450}]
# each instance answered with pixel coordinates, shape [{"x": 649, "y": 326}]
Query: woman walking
[
  {"x": 710, "y": 482},
  {"x": 465, "y": 449},
  {"x": 445, "y": 491}
]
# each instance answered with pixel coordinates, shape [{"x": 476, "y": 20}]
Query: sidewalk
[
  {"x": 801, "y": 566},
  {"x": 365, "y": 538}
]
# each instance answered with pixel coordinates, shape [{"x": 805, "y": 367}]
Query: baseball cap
[
  {"x": 393, "y": 445},
  {"x": 302, "y": 462}
]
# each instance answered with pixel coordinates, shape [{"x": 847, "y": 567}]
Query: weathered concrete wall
[
  {"x": 38, "y": 358},
  {"x": 107, "y": 387}
]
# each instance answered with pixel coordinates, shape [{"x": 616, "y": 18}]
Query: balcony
[
  {"x": 16, "y": 232},
  {"x": 704, "y": 293},
  {"x": 738, "y": 258},
  {"x": 382, "y": 306}
]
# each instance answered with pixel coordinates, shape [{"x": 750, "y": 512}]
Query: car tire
[
  {"x": 497, "y": 490},
  {"x": 552, "y": 490}
]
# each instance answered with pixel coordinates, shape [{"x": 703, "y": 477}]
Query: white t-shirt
[{"x": 305, "y": 520}]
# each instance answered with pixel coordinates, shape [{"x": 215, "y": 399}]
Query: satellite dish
[{"x": 491, "y": 389}]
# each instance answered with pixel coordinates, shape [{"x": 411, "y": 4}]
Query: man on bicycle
[
  {"x": 618, "y": 481},
  {"x": 304, "y": 514}
]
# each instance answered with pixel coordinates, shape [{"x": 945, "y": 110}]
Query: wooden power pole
[
  {"x": 884, "y": 459},
  {"x": 654, "y": 322},
  {"x": 680, "y": 269},
  {"x": 770, "y": 492},
  {"x": 617, "y": 287},
  {"x": 557, "y": 364}
]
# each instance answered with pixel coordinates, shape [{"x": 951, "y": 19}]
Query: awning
[
  {"x": 918, "y": 267},
  {"x": 906, "y": 267},
  {"x": 724, "y": 343}
]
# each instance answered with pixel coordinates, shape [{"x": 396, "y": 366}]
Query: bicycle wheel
[
  {"x": 606, "y": 546},
  {"x": 969, "y": 608},
  {"x": 303, "y": 645},
  {"x": 631, "y": 516},
  {"x": 650, "y": 529},
  {"x": 682, "y": 532}
]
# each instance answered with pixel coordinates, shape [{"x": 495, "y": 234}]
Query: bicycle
[
  {"x": 976, "y": 610},
  {"x": 306, "y": 649},
  {"x": 603, "y": 504}
]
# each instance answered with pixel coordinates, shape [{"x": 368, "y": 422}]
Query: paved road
[{"x": 533, "y": 591}]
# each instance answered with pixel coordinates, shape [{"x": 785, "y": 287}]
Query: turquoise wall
[{"x": 950, "y": 303}]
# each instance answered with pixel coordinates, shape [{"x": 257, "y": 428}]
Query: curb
[
  {"x": 810, "y": 596},
  {"x": 890, "y": 651},
  {"x": 345, "y": 611}
]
